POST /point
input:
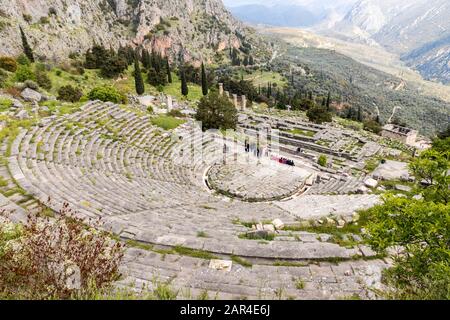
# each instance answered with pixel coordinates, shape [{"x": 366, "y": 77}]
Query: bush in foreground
[
  {"x": 58, "y": 258},
  {"x": 420, "y": 228}
]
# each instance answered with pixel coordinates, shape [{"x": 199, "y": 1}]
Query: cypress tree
[
  {"x": 377, "y": 119},
  {"x": 169, "y": 73},
  {"x": 144, "y": 59},
  {"x": 204, "y": 81},
  {"x": 328, "y": 101},
  {"x": 360, "y": 119},
  {"x": 26, "y": 47},
  {"x": 246, "y": 63},
  {"x": 184, "y": 86},
  {"x": 138, "y": 81}
]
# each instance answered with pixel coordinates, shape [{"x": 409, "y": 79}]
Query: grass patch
[
  {"x": 3, "y": 182},
  {"x": 301, "y": 132},
  {"x": 299, "y": 284},
  {"x": 139, "y": 245},
  {"x": 263, "y": 77},
  {"x": 193, "y": 253},
  {"x": 280, "y": 263},
  {"x": 174, "y": 89},
  {"x": 341, "y": 236},
  {"x": 254, "y": 236},
  {"x": 167, "y": 122},
  {"x": 202, "y": 234},
  {"x": 5, "y": 104},
  {"x": 372, "y": 164},
  {"x": 241, "y": 261}
]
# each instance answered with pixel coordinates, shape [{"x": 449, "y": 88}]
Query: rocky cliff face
[{"x": 192, "y": 29}]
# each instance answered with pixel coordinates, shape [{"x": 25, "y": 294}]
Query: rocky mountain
[
  {"x": 432, "y": 60},
  {"x": 193, "y": 29},
  {"x": 417, "y": 30}
]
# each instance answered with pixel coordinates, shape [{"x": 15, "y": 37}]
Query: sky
[{"x": 312, "y": 3}]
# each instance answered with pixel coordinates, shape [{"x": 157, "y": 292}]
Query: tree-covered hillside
[{"x": 355, "y": 85}]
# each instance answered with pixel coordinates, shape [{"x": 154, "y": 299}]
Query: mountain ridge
[{"x": 196, "y": 30}]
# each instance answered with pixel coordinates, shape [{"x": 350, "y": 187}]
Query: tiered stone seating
[
  {"x": 337, "y": 186},
  {"x": 316, "y": 206},
  {"x": 148, "y": 185}
]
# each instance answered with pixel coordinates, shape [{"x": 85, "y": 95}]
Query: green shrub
[
  {"x": 3, "y": 78},
  {"x": 372, "y": 126},
  {"x": 420, "y": 228},
  {"x": 319, "y": 115},
  {"x": 31, "y": 85},
  {"x": 28, "y": 18},
  {"x": 5, "y": 104},
  {"x": 322, "y": 160},
  {"x": 176, "y": 114},
  {"x": 69, "y": 93},
  {"x": 52, "y": 11},
  {"x": 43, "y": 80},
  {"x": 107, "y": 93},
  {"x": 8, "y": 64},
  {"x": 23, "y": 73},
  {"x": 167, "y": 122},
  {"x": 23, "y": 60},
  {"x": 44, "y": 20}
]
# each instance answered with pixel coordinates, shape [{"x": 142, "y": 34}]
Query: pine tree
[
  {"x": 169, "y": 73},
  {"x": 204, "y": 81},
  {"x": 26, "y": 47},
  {"x": 184, "y": 86},
  {"x": 138, "y": 81}
]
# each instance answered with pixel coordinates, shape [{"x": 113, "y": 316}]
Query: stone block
[
  {"x": 221, "y": 265},
  {"x": 371, "y": 183},
  {"x": 279, "y": 225}
]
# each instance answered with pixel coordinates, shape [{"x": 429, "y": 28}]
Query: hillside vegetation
[{"x": 355, "y": 84}]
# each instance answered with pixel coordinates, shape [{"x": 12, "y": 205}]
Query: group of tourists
[
  {"x": 283, "y": 160},
  {"x": 255, "y": 149}
]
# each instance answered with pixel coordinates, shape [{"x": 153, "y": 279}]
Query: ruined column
[
  {"x": 235, "y": 100},
  {"x": 221, "y": 89},
  {"x": 244, "y": 102},
  {"x": 169, "y": 103}
]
